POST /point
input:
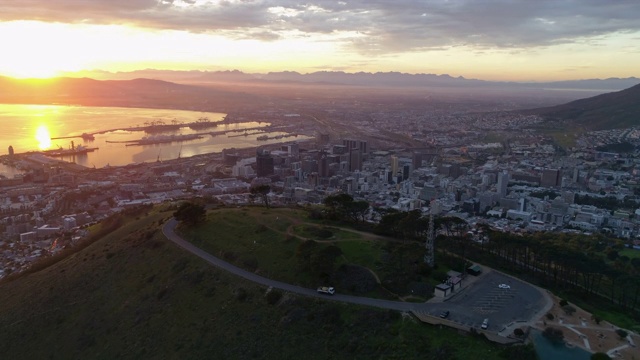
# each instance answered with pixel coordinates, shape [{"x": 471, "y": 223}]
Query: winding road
[
  {"x": 169, "y": 231},
  {"x": 468, "y": 308}
]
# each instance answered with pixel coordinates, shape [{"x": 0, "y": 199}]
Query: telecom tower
[{"x": 429, "y": 256}]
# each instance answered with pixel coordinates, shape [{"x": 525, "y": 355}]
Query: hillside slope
[
  {"x": 134, "y": 295},
  {"x": 607, "y": 111}
]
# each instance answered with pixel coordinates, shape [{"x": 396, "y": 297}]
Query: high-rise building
[
  {"x": 406, "y": 171},
  {"x": 264, "y": 163},
  {"x": 503, "y": 182},
  {"x": 357, "y": 149},
  {"x": 550, "y": 178},
  {"x": 355, "y": 160},
  {"x": 323, "y": 164},
  {"x": 394, "y": 164},
  {"x": 416, "y": 159}
]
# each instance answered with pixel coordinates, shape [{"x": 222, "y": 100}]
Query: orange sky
[{"x": 492, "y": 40}]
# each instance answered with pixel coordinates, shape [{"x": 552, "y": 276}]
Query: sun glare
[
  {"x": 41, "y": 51},
  {"x": 43, "y": 137}
]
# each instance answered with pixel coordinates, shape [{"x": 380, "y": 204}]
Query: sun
[
  {"x": 39, "y": 51},
  {"x": 43, "y": 137}
]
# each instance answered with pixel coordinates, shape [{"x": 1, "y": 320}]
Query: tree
[
  {"x": 600, "y": 356},
  {"x": 338, "y": 205},
  {"x": 262, "y": 191},
  {"x": 190, "y": 213},
  {"x": 554, "y": 335},
  {"x": 357, "y": 210}
]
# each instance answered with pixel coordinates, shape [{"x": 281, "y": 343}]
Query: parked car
[
  {"x": 485, "y": 324},
  {"x": 444, "y": 314}
]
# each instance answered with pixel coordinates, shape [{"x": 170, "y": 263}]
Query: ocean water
[{"x": 35, "y": 127}]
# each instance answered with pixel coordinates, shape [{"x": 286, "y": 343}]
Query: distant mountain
[
  {"x": 606, "y": 111},
  {"x": 378, "y": 79},
  {"x": 126, "y": 93}
]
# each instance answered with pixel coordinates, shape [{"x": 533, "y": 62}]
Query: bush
[
  {"x": 518, "y": 332},
  {"x": 555, "y": 335},
  {"x": 273, "y": 296},
  {"x": 241, "y": 294},
  {"x": 600, "y": 356},
  {"x": 563, "y": 302},
  {"x": 569, "y": 310},
  {"x": 550, "y": 316},
  {"x": 622, "y": 333}
]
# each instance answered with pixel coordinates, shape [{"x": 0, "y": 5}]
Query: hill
[
  {"x": 607, "y": 111},
  {"x": 126, "y": 93},
  {"x": 133, "y": 294}
]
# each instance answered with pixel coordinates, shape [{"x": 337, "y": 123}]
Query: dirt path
[{"x": 582, "y": 331}]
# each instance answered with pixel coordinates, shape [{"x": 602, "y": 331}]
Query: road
[
  {"x": 468, "y": 307},
  {"x": 169, "y": 231}
]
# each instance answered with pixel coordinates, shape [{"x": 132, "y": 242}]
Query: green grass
[
  {"x": 630, "y": 253},
  {"x": 133, "y": 295},
  {"x": 365, "y": 254}
]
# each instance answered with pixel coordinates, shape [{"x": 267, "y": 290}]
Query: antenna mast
[{"x": 429, "y": 257}]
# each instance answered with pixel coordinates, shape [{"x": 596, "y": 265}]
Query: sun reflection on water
[{"x": 43, "y": 137}]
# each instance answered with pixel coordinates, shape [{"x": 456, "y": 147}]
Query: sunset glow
[{"x": 506, "y": 41}]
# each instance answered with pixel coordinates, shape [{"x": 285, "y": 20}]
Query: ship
[
  {"x": 74, "y": 150},
  {"x": 203, "y": 123}
]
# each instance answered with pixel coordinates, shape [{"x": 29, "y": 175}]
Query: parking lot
[{"x": 494, "y": 296}]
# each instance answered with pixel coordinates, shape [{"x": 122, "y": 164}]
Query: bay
[{"x": 29, "y": 128}]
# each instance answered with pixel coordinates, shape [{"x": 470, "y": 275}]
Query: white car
[
  {"x": 485, "y": 324},
  {"x": 504, "y": 286}
]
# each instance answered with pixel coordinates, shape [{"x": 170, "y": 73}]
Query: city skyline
[{"x": 492, "y": 40}]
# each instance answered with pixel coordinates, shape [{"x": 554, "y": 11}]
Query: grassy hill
[{"x": 133, "y": 294}]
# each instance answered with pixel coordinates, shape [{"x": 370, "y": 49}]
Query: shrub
[
  {"x": 564, "y": 302},
  {"x": 555, "y": 335},
  {"x": 622, "y": 333},
  {"x": 550, "y": 316},
  {"x": 600, "y": 356},
  {"x": 241, "y": 294},
  {"x": 518, "y": 332},
  {"x": 273, "y": 296},
  {"x": 569, "y": 310}
]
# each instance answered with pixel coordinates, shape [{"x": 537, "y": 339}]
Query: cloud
[{"x": 371, "y": 26}]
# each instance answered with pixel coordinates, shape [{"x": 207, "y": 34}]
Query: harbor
[{"x": 108, "y": 137}]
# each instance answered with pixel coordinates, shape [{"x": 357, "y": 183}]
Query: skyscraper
[
  {"x": 550, "y": 178},
  {"x": 356, "y": 149},
  {"x": 503, "y": 182},
  {"x": 394, "y": 164},
  {"x": 323, "y": 164},
  {"x": 264, "y": 163}
]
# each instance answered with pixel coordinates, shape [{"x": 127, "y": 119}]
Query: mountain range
[
  {"x": 385, "y": 79},
  {"x": 611, "y": 109}
]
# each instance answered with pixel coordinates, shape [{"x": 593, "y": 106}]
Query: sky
[{"x": 516, "y": 40}]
